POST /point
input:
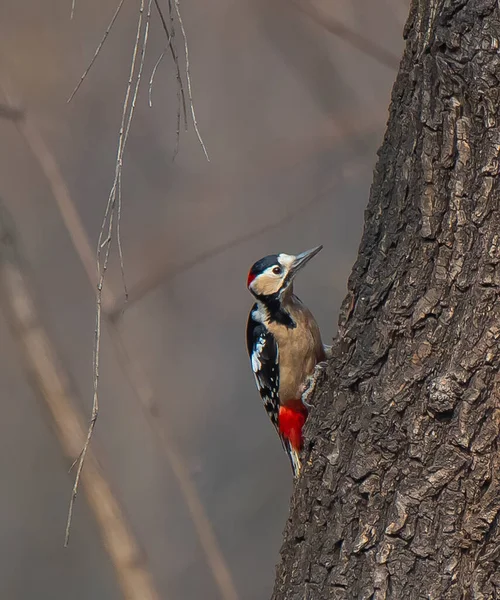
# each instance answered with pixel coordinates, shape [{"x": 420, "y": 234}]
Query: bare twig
[
  {"x": 95, "y": 403},
  {"x": 181, "y": 101},
  {"x": 188, "y": 79},
  {"x": 181, "y": 97},
  {"x": 139, "y": 75},
  {"x": 52, "y": 382},
  {"x": 358, "y": 41},
  {"x": 150, "y": 97},
  {"x": 119, "y": 238},
  {"x": 177, "y": 129},
  {"x": 125, "y": 138},
  {"x": 102, "y": 264},
  {"x": 98, "y": 49},
  {"x": 152, "y": 78}
]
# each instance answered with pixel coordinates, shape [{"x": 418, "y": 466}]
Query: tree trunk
[{"x": 400, "y": 494}]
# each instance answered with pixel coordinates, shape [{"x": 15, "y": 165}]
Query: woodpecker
[{"x": 284, "y": 345}]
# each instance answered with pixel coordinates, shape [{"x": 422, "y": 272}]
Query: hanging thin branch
[
  {"x": 153, "y": 73},
  {"x": 114, "y": 203},
  {"x": 107, "y": 228},
  {"x": 188, "y": 79},
  {"x": 181, "y": 97}
]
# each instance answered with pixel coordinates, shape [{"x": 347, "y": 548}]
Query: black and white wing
[{"x": 263, "y": 352}]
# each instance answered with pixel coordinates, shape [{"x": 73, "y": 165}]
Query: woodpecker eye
[{"x": 277, "y": 270}]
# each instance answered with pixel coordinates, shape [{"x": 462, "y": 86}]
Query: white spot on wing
[{"x": 256, "y": 364}]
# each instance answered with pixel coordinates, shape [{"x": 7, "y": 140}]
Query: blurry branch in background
[
  {"x": 130, "y": 367},
  {"x": 358, "y": 41},
  {"x": 141, "y": 387},
  {"x": 10, "y": 113},
  {"x": 52, "y": 383},
  {"x": 60, "y": 192}
]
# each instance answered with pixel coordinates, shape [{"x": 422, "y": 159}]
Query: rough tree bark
[{"x": 400, "y": 496}]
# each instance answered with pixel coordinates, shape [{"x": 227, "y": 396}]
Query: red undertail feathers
[{"x": 291, "y": 421}]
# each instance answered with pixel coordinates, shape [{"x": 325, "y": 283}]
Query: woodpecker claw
[
  {"x": 304, "y": 402},
  {"x": 328, "y": 350},
  {"x": 310, "y": 384}
]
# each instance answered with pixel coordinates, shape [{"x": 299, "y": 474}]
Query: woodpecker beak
[{"x": 302, "y": 259}]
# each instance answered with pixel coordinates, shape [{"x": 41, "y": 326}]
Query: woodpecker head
[{"x": 272, "y": 276}]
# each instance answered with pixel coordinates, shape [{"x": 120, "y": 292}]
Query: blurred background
[{"x": 292, "y": 110}]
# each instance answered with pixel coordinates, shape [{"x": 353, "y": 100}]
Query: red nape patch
[
  {"x": 250, "y": 278},
  {"x": 291, "y": 421}
]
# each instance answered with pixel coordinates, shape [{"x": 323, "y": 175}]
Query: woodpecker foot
[{"x": 311, "y": 382}]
